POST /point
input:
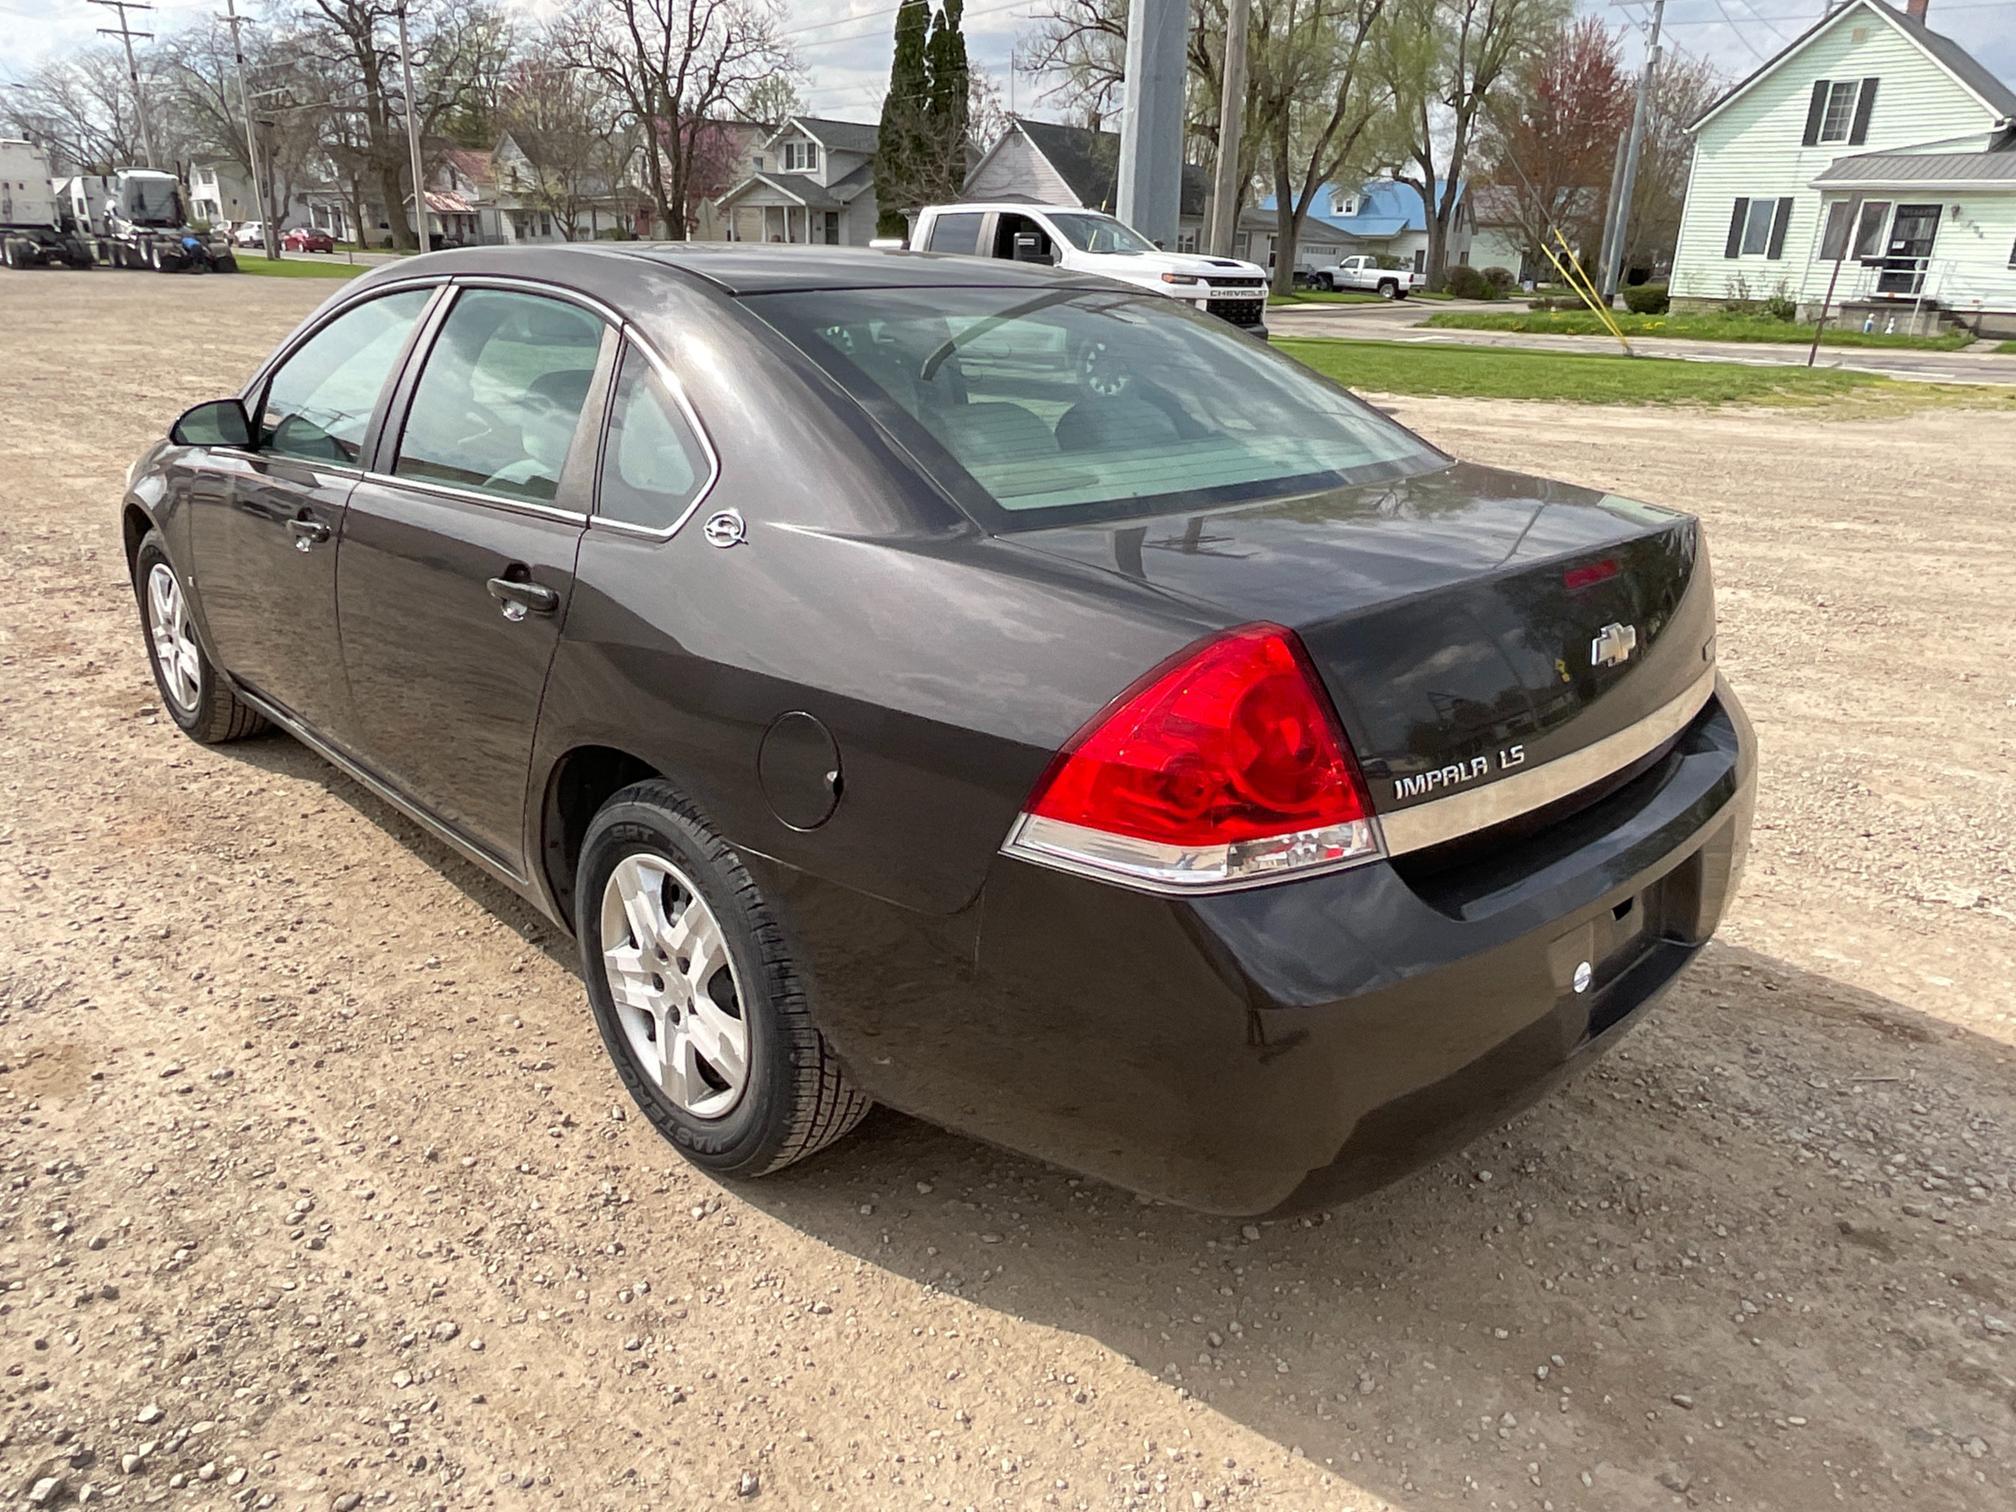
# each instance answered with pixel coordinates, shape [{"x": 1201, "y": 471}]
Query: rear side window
[
  {"x": 500, "y": 399},
  {"x": 318, "y": 403},
  {"x": 955, "y": 233},
  {"x": 653, "y": 466}
]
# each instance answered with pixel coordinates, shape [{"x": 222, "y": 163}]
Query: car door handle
[
  {"x": 308, "y": 533},
  {"x": 520, "y": 598}
]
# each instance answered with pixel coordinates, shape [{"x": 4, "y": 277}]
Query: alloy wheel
[
  {"x": 174, "y": 642},
  {"x": 666, "y": 961}
]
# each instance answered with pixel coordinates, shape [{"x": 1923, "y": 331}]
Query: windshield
[
  {"x": 1101, "y": 233},
  {"x": 153, "y": 201},
  {"x": 1037, "y": 407}
]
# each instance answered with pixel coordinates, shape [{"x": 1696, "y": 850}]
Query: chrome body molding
[{"x": 1426, "y": 824}]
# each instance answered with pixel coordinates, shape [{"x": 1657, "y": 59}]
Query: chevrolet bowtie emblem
[{"x": 1613, "y": 645}]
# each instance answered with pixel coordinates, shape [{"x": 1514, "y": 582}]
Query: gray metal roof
[
  {"x": 1929, "y": 168},
  {"x": 839, "y": 136}
]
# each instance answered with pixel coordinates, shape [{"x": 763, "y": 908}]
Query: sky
[{"x": 845, "y": 44}]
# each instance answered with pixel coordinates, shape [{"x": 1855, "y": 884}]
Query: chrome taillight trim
[
  {"x": 1189, "y": 871},
  {"x": 1459, "y": 814}
]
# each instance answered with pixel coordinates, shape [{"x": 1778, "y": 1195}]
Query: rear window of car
[{"x": 1039, "y": 407}]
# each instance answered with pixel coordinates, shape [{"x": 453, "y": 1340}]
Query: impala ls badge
[
  {"x": 1613, "y": 645},
  {"x": 724, "y": 529}
]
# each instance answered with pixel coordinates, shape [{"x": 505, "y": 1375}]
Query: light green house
[{"x": 1873, "y": 155}]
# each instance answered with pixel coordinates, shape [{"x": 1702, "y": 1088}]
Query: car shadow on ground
[{"x": 1750, "y": 1256}]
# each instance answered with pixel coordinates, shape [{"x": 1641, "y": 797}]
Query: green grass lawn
[
  {"x": 250, "y": 261},
  {"x": 1395, "y": 367},
  {"x": 1686, "y": 327},
  {"x": 2007, "y": 349},
  {"x": 1318, "y": 296}
]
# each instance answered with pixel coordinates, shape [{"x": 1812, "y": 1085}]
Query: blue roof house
[{"x": 1383, "y": 217}]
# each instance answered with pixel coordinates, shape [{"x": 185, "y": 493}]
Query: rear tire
[
  {"x": 1388, "y": 289},
  {"x": 791, "y": 1098},
  {"x": 195, "y": 696}
]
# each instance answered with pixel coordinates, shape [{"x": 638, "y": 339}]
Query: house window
[
  {"x": 1840, "y": 110},
  {"x": 1757, "y": 227},
  {"x": 801, "y": 157},
  {"x": 1186, "y": 241},
  {"x": 1869, "y": 230},
  {"x": 1343, "y": 205},
  {"x": 1834, "y": 239}
]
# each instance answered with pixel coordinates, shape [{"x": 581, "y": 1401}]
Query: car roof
[{"x": 775, "y": 267}]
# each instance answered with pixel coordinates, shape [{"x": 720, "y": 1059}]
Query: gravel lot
[{"x": 315, "y": 1190}]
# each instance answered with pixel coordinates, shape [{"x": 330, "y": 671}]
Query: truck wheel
[
  {"x": 1388, "y": 289},
  {"x": 154, "y": 256},
  {"x": 1326, "y": 283},
  {"x": 7, "y": 253}
]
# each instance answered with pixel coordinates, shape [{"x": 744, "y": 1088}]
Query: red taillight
[{"x": 1226, "y": 766}]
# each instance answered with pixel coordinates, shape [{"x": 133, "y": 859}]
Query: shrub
[
  {"x": 1500, "y": 281},
  {"x": 1780, "y": 305},
  {"x": 1467, "y": 283},
  {"x": 1646, "y": 299}
]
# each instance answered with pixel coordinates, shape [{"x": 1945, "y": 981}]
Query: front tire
[
  {"x": 196, "y": 697},
  {"x": 700, "y": 1001}
]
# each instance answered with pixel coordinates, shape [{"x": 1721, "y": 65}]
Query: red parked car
[{"x": 308, "y": 239}]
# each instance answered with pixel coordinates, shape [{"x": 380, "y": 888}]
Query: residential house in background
[
  {"x": 743, "y": 143},
  {"x": 812, "y": 180},
  {"x": 221, "y": 190},
  {"x": 1872, "y": 154},
  {"x": 1383, "y": 217},
  {"x": 1077, "y": 166}
]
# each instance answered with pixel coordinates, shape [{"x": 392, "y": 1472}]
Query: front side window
[
  {"x": 1100, "y": 233},
  {"x": 500, "y": 398},
  {"x": 955, "y": 233},
  {"x": 1839, "y": 118},
  {"x": 1067, "y": 405},
  {"x": 318, "y": 403},
  {"x": 653, "y": 466}
]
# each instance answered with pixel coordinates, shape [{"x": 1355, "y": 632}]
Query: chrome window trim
[
  {"x": 476, "y": 496},
  {"x": 1459, "y": 814},
  {"x": 597, "y": 521},
  {"x": 1024, "y": 844}
]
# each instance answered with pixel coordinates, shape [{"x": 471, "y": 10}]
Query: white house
[
  {"x": 1872, "y": 154},
  {"x": 1076, "y": 166},
  {"x": 812, "y": 181}
]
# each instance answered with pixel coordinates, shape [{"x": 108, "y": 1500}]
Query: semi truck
[
  {"x": 138, "y": 218},
  {"x": 33, "y": 228}
]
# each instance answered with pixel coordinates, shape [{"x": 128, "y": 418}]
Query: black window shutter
[
  {"x": 1865, "y": 101},
  {"x": 1779, "y": 222},
  {"x": 1816, "y": 111},
  {"x": 1735, "y": 242}
]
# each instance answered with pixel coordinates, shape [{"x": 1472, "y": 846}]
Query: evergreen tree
[
  {"x": 945, "y": 153},
  {"x": 900, "y": 143}
]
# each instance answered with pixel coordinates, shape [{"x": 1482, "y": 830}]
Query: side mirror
[
  {"x": 1029, "y": 249},
  {"x": 221, "y": 422}
]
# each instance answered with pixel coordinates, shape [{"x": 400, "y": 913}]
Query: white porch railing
[{"x": 1904, "y": 291}]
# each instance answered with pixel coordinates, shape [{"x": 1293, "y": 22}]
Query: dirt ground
[{"x": 316, "y": 1191}]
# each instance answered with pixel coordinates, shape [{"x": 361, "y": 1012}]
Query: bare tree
[
  {"x": 1682, "y": 89},
  {"x": 1442, "y": 59},
  {"x": 677, "y": 66},
  {"x": 79, "y": 110},
  {"x": 556, "y": 116}
]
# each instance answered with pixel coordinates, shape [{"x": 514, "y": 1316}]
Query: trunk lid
[{"x": 1469, "y": 623}]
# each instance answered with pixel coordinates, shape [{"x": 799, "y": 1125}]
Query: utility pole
[
  {"x": 1151, "y": 138},
  {"x": 267, "y": 230},
  {"x": 1610, "y": 209},
  {"x": 1231, "y": 121},
  {"x": 126, "y": 34},
  {"x": 413, "y": 139},
  {"x": 1613, "y": 271}
]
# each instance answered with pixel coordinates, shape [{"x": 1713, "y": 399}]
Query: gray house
[{"x": 812, "y": 181}]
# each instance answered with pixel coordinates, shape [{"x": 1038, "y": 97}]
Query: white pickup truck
[
  {"x": 1088, "y": 241},
  {"x": 1361, "y": 270}
]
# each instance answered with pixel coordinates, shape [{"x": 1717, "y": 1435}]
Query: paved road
[{"x": 1403, "y": 322}]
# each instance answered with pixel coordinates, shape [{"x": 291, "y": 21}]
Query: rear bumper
[{"x": 1315, "y": 1039}]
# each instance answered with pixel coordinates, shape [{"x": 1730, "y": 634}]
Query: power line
[{"x": 126, "y": 34}]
